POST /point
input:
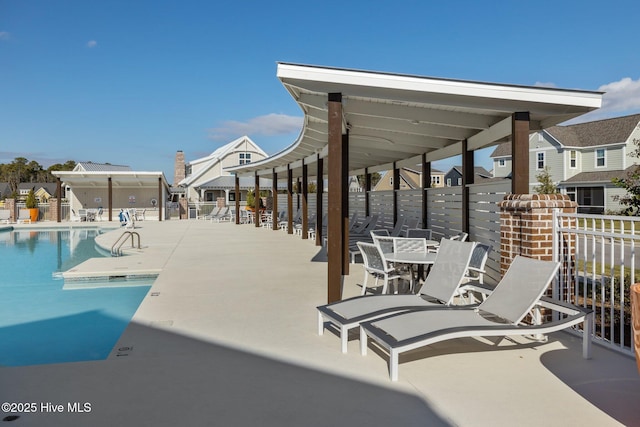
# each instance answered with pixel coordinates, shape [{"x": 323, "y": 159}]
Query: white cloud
[
  {"x": 4, "y": 35},
  {"x": 621, "y": 98},
  {"x": 623, "y": 95},
  {"x": 91, "y": 44},
  {"x": 267, "y": 125}
]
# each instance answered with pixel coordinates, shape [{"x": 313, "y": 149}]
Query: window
[
  {"x": 600, "y": 158},
  {"x": 502, "y": 163},
  {"x": 245, "y": 158},
  {"x": 573, "y": 159},
  {"x": 448, "y": 182},
  {"x": 459, "y": 181},
  {"x": 540, "y": 160},
  {"x": 435, "y": 180}
]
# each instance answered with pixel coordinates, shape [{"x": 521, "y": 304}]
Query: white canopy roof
[{"x": 397, "y": 118}]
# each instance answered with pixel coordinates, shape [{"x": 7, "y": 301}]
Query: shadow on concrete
[
  {"x": 612, "y": 387},
  {"x": 84, "y": 336},
  {"x": 167, "y": 379}
]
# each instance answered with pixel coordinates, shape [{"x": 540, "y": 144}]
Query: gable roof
[
  {"x": 100, "y": 167},
  {"x": 216, "y": 156},
  {"x": 590, "y": 134},
  {"x": 477, "y": 170}
]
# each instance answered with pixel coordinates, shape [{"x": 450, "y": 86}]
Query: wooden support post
[
  {"x": 256, "y": 201},
  {"x": 426, "y": 183},
  {"x": 237, "y": 191},
  {"x": 468, "y": 172},
  {"x": 289, "y": 200},
  {"x": 274, "y": 191},
  {"x": 396, "y": 188},
  {"x": 305, "y": 205},
  {"x": 319, "y": 208},
  {"x": 335, "y": 244},
  {"x": 520, "y": 153}
]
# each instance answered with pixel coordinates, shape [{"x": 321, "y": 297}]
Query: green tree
[
  {"x": 547, "y": 185},
  {"x": 31, "y": 201},
  {"x": 375, "y": 178},
  {"x": 631, "y": 183}
]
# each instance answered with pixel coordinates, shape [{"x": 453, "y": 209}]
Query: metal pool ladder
[{"x": 116, "y": 249}]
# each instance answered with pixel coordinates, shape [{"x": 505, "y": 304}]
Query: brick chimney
[{"x": 179, "y": 171}]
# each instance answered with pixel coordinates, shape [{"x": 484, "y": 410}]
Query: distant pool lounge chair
[
  {"x": 500, "y": 314},
  {"x": 24, "y": 216},
  {"x": 5, "y": 216}
]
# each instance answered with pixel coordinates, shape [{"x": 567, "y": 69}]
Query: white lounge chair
[
  {"x": 440, "y": 287},
  {"x": 24, "y": 216},
  {"x": 499, "y": 315},
  {"x": 5, "y": 216}
]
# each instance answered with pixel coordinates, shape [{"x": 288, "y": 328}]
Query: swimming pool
[{"x": 41, "y": 322}]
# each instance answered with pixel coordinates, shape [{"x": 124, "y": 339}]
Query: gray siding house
[{"x": 582, "y": 159}]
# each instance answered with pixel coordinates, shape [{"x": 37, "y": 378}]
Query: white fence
[{"x": 599, "y": 265}]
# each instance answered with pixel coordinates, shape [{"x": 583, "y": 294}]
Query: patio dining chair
[
  {"x": 376, "y": 266},
  {"x": 425, "y": 233}
]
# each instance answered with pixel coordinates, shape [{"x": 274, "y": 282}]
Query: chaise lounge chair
[
  {"x": 500, "y": 314},
  {"x": 440, "y": 287}
]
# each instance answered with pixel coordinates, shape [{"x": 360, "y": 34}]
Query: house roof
[
  {"x": 590, "y": 134},
  {"x": 477, "y": 170},
  {"x": 398, "y": 117},
  {"x": 100, "y": 167},
  {"x": 598, "y": 176},
  {"x": 216, "y": 156}
]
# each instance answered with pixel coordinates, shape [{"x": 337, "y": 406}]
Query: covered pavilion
[{"x": 360, "y": 122}]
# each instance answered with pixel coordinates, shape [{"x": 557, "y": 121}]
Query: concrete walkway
[{"x": 227, "y": 336}]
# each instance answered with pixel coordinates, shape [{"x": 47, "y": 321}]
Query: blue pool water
[{"x": 40, "y": 322}]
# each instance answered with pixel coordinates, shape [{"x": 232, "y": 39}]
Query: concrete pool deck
[{"x": 227, "y": 336}]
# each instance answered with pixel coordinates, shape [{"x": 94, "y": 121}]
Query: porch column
[
  {"x": 289, "y": 200},
  {"x": 336, "y": 227},
  {"x": 396, "y": 188},
  {"x": 256, "y": 201},
  {"x": 274, "y": 192},
  {"x": 520, "y": 153},
  {"x": 110, "y": 197},
  {"x": 305, "y": 205},
  {"x": 426, "y": 183},
  {"x": 468, "y": 178},
  {"x": 59, "y": 199},
  {"x": 319, "y": 192},
  {"x": 237, "y": 191}
]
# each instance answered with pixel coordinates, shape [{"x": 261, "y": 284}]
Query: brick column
[
  {"x": 526, "y": 225},
  {"x": 53, "y": 210},
  {"x": 221, "y": 202},
  {"x": 183, "y": 207},
  {"x": 10, "y": 204}
]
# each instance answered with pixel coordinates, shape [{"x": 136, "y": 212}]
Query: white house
[
  {"x": 200, "y": 173},
  {"x": 582, "y": 159}
]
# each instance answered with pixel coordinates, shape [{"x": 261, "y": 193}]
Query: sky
[{"x": 133, "y": 82}]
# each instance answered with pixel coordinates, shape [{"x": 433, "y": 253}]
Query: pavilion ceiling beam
[
  {"x": 409, "y": 127},
  {"x": 420, "y": 114}
]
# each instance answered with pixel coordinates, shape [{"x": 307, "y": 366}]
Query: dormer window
[{"x": 245, "y": 158}]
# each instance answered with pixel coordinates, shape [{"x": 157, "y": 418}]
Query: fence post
[{"x": 635, "y": 319}]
